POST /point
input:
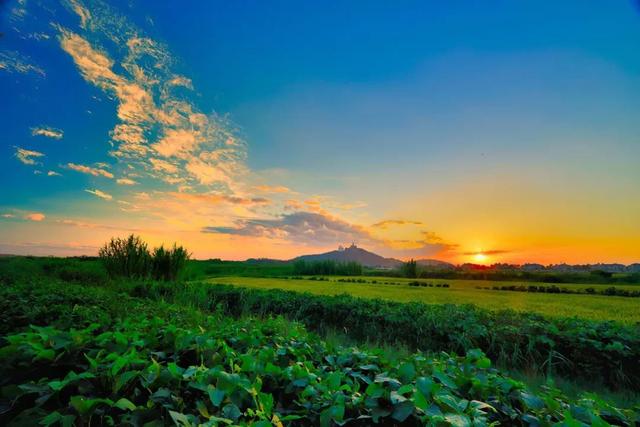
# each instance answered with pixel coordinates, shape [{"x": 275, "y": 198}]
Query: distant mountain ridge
[{"x": 354, "y": 253}]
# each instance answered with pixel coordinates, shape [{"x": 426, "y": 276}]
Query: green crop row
[
  {"x": 575, "y": 348},
  {"x": 610, "y": 291},
  {"x": 149, "y": 363}
]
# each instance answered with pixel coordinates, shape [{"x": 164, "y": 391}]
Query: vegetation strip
[
  {"x": 151, "y": 363},
  {"x": 610, "y": 291},
  {"x": 570, "y": 347}
]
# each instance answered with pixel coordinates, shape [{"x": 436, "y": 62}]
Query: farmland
[
  {"x": 82, "y": 348},
  {"x": 596, "y": 307}
]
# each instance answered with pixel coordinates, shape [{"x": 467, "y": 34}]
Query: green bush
[
  {"x": 131, "y": 258},
  {"x": 126, "y": 257},
  {"x": 168, "y": 263}
]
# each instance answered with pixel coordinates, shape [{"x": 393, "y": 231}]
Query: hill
[
  {"x": 355, "y": 254},
  {"x": 435, "y": 264}
]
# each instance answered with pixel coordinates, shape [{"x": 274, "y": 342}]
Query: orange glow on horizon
[{"x": 480, "y": 258}]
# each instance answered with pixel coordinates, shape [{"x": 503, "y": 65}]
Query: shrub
[
  {"x": 168, "y": 263},
  {"x": 131, "y": 258},
  {"x": 126, "y": 257}
]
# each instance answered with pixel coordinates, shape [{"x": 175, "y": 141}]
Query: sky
[{"x": 273, "y": 129}]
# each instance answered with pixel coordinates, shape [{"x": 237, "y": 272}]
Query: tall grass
[{"x": 131, "y": 258}]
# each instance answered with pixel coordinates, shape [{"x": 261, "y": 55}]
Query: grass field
[{"x": 596, "y": 307}]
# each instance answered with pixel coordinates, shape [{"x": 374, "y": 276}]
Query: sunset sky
[{"x": 273, "y": 129}]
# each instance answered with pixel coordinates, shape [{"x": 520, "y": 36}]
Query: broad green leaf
[
  {"x": 402, "y": 410},
  {"x": 407, "y": 372},
  {"x": 216, "y": 396},
  {"x": 125, "y": 404}
]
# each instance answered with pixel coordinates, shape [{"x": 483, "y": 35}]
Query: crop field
[
  {"x": 80, "y": 347},
  {"x": 596, "y": 307}
]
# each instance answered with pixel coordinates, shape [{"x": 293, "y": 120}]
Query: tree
[{"x": 410, "y": 269}]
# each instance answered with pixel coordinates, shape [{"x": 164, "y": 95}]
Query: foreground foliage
[
  {"x": 150, "y": 363},
  {"x": 571, "y": 347}
]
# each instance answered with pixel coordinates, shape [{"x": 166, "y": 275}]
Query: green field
[
  {"x": 596, "y": 307},
  {"x": 81, "y": 343}
]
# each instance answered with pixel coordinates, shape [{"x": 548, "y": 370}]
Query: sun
[{"x": 480, "y": 258}]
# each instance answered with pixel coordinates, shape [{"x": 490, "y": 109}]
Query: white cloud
[
  {"x": 163, "y": 166},
  {"x": 14, "y": 62},
  {"x": 126, "y": 181},
  {"x": 53, "y": 173},
  {"x": 189, "y": 147},
  {"x": 82, "y": 12},
  {"x": 177, "y": 143},
  {"x": 47, "y": 131},
  {"x": 100, "y": 194},
  {"x": 89, "y": 170},
  {"x": 27, "y": 156}
]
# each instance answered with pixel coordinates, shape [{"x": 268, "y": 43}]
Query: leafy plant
[
  {"x": 168, "y": 263},
  {"x": 126, "y": 257},
  {"x": 131, "y": 258}
]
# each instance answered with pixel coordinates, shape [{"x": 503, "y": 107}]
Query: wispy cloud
[
  {"x": 53, "y": 173},
  {"x": 391, "y": 222},
  {"x": 218, "y": 198},
  {"x": 100, "y": 194},
  {"x": 14, "y": 62},
  {"x": 126, "y": 181},
  {"x": 27, "y": 156},
  {"x": 82, "y": 12},
  {"x": 272, "y": 189},
  {"x": 488, "y": 252},
  {"x": 47, "y": 131},
  {"x": 160, "y": 133},
  {"x": 35, "y": 216},
  {"x": 90, "y": 170}
]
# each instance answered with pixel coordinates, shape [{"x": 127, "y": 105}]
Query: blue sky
[{"x": 497, "y": 126}]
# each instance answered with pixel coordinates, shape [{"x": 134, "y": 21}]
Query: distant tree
[
  {"x": 327, "y": 267},
  {"x": 602, "y": 273},
  {"x": 410, "y": 269}
]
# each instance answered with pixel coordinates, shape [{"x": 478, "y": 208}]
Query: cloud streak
[
  {"x": 27, "y": 156},
  {"x": 90, "y": 170},
  {"x": 126, "y": 181},
  {"x": 101, "y": 194},
  {"x": 14, "y": 62},
  {"x": 489, "y": 252},
  {"x": 391, "y": 222},
  {"x": 48, "y": 132},
  {"x": 35, "y": 216}
]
